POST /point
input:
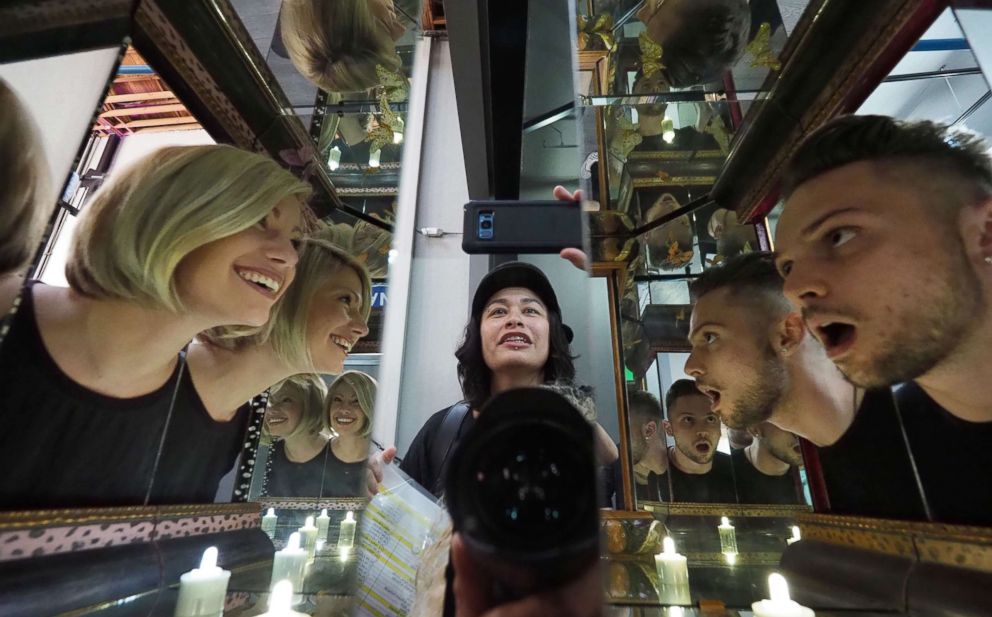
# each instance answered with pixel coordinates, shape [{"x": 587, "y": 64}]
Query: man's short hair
[
  {"x": 943, "y": 152},
  {"x": 751, "y": 277},
  {"x": 644, "y": 407},
  {"x": 681, "y": 388}
]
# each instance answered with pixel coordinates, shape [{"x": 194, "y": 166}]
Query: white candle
[
  {"x": 323, "y": 522},
  {"x": 346, "y": 535},
  {"x": 290, "y": 563},
  {"x": 728, "y": 537},
  {"x": 281, "y": 602},
  {"x": 673, "y": 575},
  {"x": 308, "y": 534},
  {"x": 796, "y": 535},
  {"x": 269, "y": 523},
  {"x": 334, "y": 158},
  {"x": 779, "y": 603},
  {"x": 202, "y": 590},
  {"x": 374, "y": 157}
]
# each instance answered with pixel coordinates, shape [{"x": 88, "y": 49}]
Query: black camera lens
[
  {"x": 486, "y": 224},
  {"x": 521, "y": 486}
]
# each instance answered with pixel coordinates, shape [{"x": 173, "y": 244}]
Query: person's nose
[
  {"x": 359, "y": 326},
  {"x": 804, "y": 283},
  {"x": 282, "y": 251},
  {"x": 694, "y": 366}
]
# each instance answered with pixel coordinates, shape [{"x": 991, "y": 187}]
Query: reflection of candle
[
  {"x": 269, "y": 523},
  {"x": 346, "y": 536},
  {"x": 308, "y": 533},
  {"x": 796, "y": 535},
  {"x": 323, "y": 522},
  {"x": 779, "y": 603},
  {"x": 374, "y": 157},
  {"x": 281, "y": 601},
  {"x": 334, "y": 158},
  {"x": 202, "y": 590},
  {"x": 290, "y": 563},
  {"x": 673, "y": 575},
  {"x": 728, "y": 537}
]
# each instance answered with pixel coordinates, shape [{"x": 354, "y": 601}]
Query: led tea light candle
[
  {"x": 346, "y": 535},
  {"x": 779, "y": 603},
  {"x": 673, "y": 575},
  {"x": 308, "y": 534},
  {"x": 728, "y": 537},
  {"x": 269, "y": 523},
  {"x": 202, "y": 590},
  {"x": 374, "y": 157},
  {"x": 290, "y": 563},
  {"x": 281, "y": 602},
  {"x": 796, "y": 535},
  {"x": 334, "y": 158},
  {"x": 323, "y": 522}
]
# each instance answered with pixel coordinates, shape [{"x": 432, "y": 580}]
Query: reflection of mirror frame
[{"x": 724, "y": 509}]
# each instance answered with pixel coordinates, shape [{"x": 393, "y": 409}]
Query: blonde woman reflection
[
  {"x": 187, "y": 239},
  {"x": 26, "y": 199},
  {"x": 293, "y": 428},
  {"x": 302, "y": 461},
  {"x": 337, "y": 44}
]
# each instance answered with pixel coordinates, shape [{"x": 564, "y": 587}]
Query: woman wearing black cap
[{"x": 514, "y": 338}]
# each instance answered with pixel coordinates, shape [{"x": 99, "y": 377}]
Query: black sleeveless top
[
  {"x": 63, "y": 445},
  {"x": 325, "y": 475}
]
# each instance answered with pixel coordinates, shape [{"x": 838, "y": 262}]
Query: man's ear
[
  {"x": 789, "y": 334},
  {"x": 976, "y": 231},
  {"x": 668, "y": 428},
  {"x": 650, "y": 429}
]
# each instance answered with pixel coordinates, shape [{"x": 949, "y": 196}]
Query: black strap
[{"x": 443, "y": 443}]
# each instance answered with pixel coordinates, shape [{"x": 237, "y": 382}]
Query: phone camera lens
[{"x": 486, "y": 224}]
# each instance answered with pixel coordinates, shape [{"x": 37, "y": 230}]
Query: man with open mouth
[
  {"x": 698, "y": 472},
  {"x": 754, "y": 359},
  {"x": 885, "y": 244}
]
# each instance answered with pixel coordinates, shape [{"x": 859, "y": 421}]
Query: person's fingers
[
  {"x": 563, "y": 194},
  {"x": 576, "y": 257},
  {"x": 469, "y": 588},
  {"x": 373, "y": 475},
  {"x": 388, "y": 455}
]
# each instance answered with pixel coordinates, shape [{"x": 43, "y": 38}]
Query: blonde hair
[
  {"x": 364, "y": 387},
  {"x": 133, "y": 235},
  {"x": 337, "y": 44},
  {"x": 286, "y": 331},
  {"x": 307, "y": 391},
  {"x": 26, "y": 195}
]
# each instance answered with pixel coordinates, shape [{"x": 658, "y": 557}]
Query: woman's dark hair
[{"x": 476, "y": 377}]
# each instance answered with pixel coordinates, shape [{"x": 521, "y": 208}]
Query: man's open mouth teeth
[
  {"x": 836, "y": 336},
  {"x": 260, "y": 280},
  {"x": 343, "y": 343},
  {"x": 703, "y": 447},
  {"x": 713, "y": 394}
]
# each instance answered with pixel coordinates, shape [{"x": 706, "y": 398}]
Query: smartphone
[{"x": 521, "y": 226}]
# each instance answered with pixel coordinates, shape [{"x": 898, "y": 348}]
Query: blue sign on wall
[{"x": 379, "y": 295}]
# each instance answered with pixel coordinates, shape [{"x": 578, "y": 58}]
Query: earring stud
[{"x": 988, "y": 259}]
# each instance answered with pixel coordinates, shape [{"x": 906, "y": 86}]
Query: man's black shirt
[
  {"x": 715, "y": 486},
  {"x": 756, "y": 487}
]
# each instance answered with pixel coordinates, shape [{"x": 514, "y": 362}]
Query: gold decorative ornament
[
  {"x": 391, "y": 83},
  {"x": 596, "y": 32},
  {"x": 651, "y": 53},
  {"x": 760, "y": 49},
  {"x": 625, "y": 138}
]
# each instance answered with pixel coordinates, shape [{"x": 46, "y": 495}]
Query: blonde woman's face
[
  {"x": 283, "y": 415},
  {"x": 336, "y": 321},
  {"x": 345, "y": 411},
  {"x": 237, "y": 279}
]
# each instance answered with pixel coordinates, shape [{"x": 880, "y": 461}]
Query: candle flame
[
  {"x": 309, "y": 522},
  {"x": 209, "y": 559},
  {"x": 778, "y": 588},
  {"x": 668, "y": 545},
  {"x": 350, "y": 516},
  {"x": 675, "y": 611},
  {"x": 323, "y": 512},
  {"x": 795, "y": 533},
  {"x": 271, "y": 512},
  {"x": 724, "y": 521},
  {"x": 731, "y": 558},
  {"x": 294, "y": 540},
  {"x": 281, "y": 598}
]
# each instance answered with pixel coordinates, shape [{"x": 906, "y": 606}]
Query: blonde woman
[
  {"x": 293, "y": 424},
  {"x": 337, "y": 44},
  {"x": 348, "y": 415},
  {"x": 312, "y": 330},
  {"x": 26, "y": 201},
  {"x": 188, "y": 239}
]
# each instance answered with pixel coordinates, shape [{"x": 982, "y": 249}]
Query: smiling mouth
[
  {"x": 837, "y": 337},
  {"x": 515, "y": 340},
  {"x": 345, "y": 421},
  {"x": 262, "y": 283},
  {"x": 275, "y": 421},
  {"x": 343, "y": 343}
]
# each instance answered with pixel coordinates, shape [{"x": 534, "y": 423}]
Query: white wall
[{"x": 440, "y": 285}]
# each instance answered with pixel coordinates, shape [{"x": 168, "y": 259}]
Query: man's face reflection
[
  {"x": 882, "y": 282},
  {"x": 695, "y": 427},
  {"x": 732, "y": 360},
  {"x": 781, "y": 444}
]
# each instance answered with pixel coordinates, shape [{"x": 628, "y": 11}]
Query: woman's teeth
[
  {"x": 343, "y": 343},
  {"x": 345, "y": 421},
  {"x": 259, "y": 279}
]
